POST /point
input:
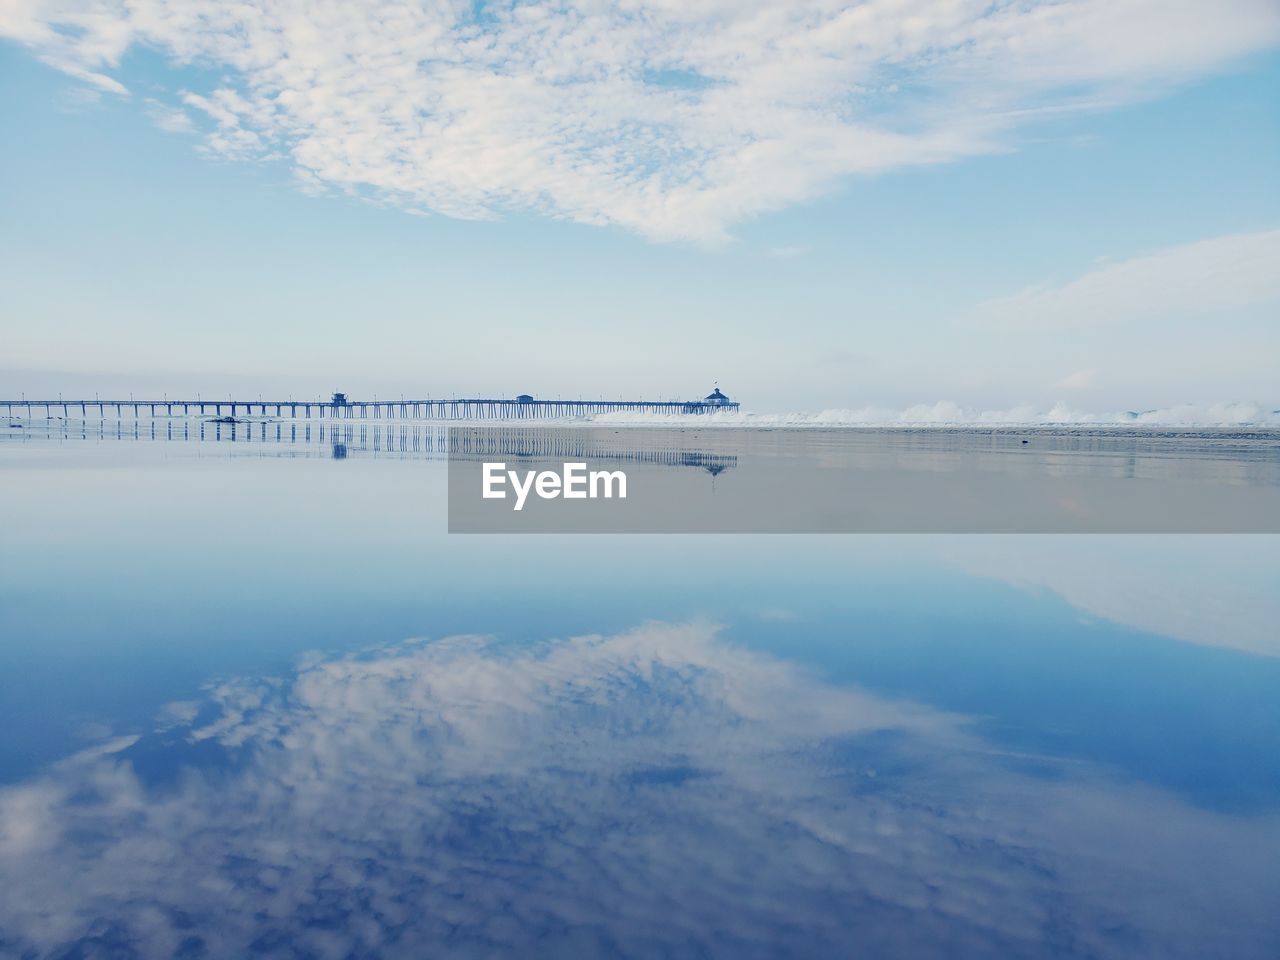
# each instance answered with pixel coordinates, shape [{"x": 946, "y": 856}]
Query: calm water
[{"x": 255, "y": 701}]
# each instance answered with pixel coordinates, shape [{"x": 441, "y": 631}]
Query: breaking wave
[{"x": 948, "y": 413}]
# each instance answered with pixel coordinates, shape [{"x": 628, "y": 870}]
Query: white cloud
[
  {"x": 672, "y": 119},
  {"x": 787, "y": 253},
  {"x": 1078, "y": 379},
  {"x": 172, "y": 119},
  {"x": 1219, "y": 274}
]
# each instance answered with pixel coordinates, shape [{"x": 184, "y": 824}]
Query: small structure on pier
[
  {"x": 718, "y": 398},
  {"x": 339, "y": 400},
  {"x": 525, "y": 398}
]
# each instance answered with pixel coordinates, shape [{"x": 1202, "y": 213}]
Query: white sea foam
[{"x": 949, "y": 413}]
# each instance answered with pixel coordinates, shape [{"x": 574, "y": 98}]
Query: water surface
[{"x": 255, "y": 701}]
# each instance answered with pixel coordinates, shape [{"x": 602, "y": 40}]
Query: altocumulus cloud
[{"x": 672, "y": 119}]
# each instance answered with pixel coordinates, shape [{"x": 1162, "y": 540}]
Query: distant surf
[{"x": 948, "y": 413}]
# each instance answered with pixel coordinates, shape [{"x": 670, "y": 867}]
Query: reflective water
[{"x": 253, "y": 703}]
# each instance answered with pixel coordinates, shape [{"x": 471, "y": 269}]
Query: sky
[{"x": 821, "y": 206}]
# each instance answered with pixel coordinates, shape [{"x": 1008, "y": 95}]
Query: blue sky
[{"x": 888, "y": 213}]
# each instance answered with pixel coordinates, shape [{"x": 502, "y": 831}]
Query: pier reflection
[
  {"x": 845, "y": 480},
  {"x": 339, "y": 441}
]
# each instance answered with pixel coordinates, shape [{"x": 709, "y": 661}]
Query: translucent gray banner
[{"x": 742, "y": 480}]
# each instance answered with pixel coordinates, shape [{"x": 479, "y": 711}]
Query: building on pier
[{"x": 718, "y": 398}]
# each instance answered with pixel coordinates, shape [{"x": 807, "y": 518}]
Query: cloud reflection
[
  {"x": 1217, "y": 591},
  {"x": 653, "y": 792}
]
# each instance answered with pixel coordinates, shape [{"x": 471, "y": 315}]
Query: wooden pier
[{"x": 339, "y": 408}]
